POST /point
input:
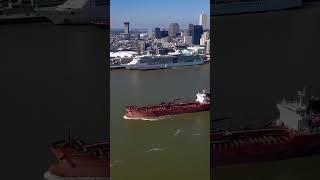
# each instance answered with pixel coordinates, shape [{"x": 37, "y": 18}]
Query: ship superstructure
[
  {"x": 162, "y": 110},
  {"x": 301, "y": 114},
  {"x": 295, "y": 133},
  {"x": 177, "y": 59}
]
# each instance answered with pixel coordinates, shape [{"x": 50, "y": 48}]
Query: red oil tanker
[
  {"x": 202, "y": 103},
  {"x": 78, "y": 160},
  {"x": 295, "y": 133}
]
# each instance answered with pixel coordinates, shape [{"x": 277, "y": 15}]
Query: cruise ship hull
[
  {"x": 162, "y": 66},
  {"x": 238, "y": 7},
  {"x": 20, "y": 18},
  {"x": 75, "y": 16}
]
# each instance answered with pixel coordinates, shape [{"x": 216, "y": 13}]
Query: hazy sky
[{"x": 153, "y": 13}]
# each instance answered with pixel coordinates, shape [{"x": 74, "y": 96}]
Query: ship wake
[
  {"x": 150, "y": 118},
  {"x": 49, "y": 176}
]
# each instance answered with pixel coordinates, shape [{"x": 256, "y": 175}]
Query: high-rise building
[
  {"x": 126, "y": 27},
  {"x": 203, "y": 20},
  {"x": 126, "y": 30},
  {"x": 195, "y": 31},
  {"x": 163, "y": 33},
  {"x": 150, "y": 35},
  {"x": 187, "y": 40},
  {"x": 157, "y": 33},
  {"x": 206, "y": 35},
  {"x": 204, "y": 38},
  {"x": 202, "y": 42},
  {"x": 190, "y": 30},
  {"x": 174, "y": 29}
]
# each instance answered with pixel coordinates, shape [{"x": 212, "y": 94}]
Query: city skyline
[{"x": 150, "y": 14}]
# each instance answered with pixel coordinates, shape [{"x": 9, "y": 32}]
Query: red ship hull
[
  {"x": 280, "y": 144},
  {"x": 80, "y": 161},
  {"x": 163, "y": 110}
]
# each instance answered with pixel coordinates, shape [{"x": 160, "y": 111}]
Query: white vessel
[
  {"x": 24, "y": 11},
  {"x": 300, "y": 114},
  {"x": 203, "y": 97},
  {"x": 77, "y": 12},
  {"x": 176, "y": 59},
  {"x": 222, "y": 7},
  {"x": 17, "y": 11}
]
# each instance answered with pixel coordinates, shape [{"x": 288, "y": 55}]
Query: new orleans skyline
[{"x": 151, "y": 14}]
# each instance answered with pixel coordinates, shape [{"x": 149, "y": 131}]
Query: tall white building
[
  {"x": 203, "y": 20},
  {"x": 206, "y": 35},
  {"x": 202, "y": 42},
  {"x": 204, "y": 38}
]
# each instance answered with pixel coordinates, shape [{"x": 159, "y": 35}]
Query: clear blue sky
[{"x": 153, "y": 13}]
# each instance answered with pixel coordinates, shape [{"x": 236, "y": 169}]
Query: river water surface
[{"x": 171, "y": 149}]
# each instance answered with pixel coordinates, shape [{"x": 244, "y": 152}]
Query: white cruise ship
[
  {"x": 77, "y": 12},
  {"x": 177, "y": 59},
  {"x": 23, "y": 11},
  {"x": 223, "y": 7}
]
